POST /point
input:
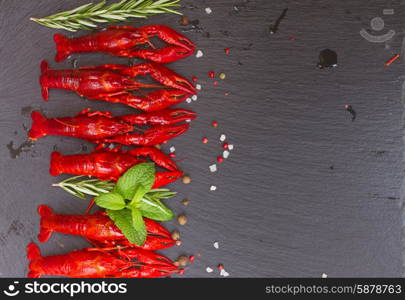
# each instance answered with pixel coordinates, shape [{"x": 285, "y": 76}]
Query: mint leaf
[
  {"x": 139, "y": 193},
  {"x": 139, "y": 226},
  {"x": 110, "y": 200},
  {"x": 143, "y": 173},
  {"x": 123, "y": 219},
  {"x": 155, "y": 210}
]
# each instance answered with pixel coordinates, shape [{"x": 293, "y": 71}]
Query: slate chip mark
[
  {"x": 193, "y": 26},
  {"x": 16, "y": 151},
  {"x": 350, "y": 109},
  {"x": 15, "y": 227},
  {"x": 274, "y": 28},
  {"x": 238, "y": 7},
  {"x": 327, "y": 59}
]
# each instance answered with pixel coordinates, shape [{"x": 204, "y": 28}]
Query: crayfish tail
[
  {"x": 33, "y": 252},
  {"x": 54, "y": 169},
  {"x": 44, "y": 233},
  {"x": 45, "y": 93},
  {"x": 44, "y": 211},
  {"x": 62, "y": 47},
  {"x": 38, "y": 127},
  {"x": 32, "y": 274},
  {"x": 44, "y": 89}
]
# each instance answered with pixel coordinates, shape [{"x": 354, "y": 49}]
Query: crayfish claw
[
  {"x": 156, "y": 156},
  {"x": 168, "y": 35}
]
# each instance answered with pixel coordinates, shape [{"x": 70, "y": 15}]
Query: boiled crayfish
[
  {"x": 110, "y": 164},
  {"x": 100, "y": 263},
  {"x": 128, "y": 41},
  {"x": 113, "y": 256},
  {"x": 102, "y": 127},
  {"x": 100, "y": 230},
  {"x": 113, "y": 82}
]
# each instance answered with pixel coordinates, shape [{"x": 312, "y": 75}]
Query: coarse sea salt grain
[
  {"x": 208, "y": 10},
  {"x": 324, "y": 275},
  {"x": 224, "y": 273},
  {"x": 188, "y": 100},
  {"x": 230, "y": 147},
  {"x": 216, "y": 245},
  {"x": 188, "y": 120},
  {"x": 209, "y": 270},
  {"x": 172, "y": 149},
  {"x": 194, "y": 97},
  {"x": 213, "y": 188},
  {"x": 198, "y": 86},
  {"x": 199, "y": 54},
  {"x": 225, "y": 154},
  {"x": 213, "y": 168},
  {"x": 222, "y": 138}
]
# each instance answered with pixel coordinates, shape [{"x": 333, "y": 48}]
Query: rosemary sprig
[
  {"x": 81, "y": 188},
  {"x": 86, "y": 16},
  {"x": 95, "y": 187}
]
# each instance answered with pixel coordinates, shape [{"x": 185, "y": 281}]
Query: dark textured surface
[{"x": 306, "y": 190}]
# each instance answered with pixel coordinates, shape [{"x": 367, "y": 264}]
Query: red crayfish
[
  {"x": 110, "y": 164},
  {"x": 112, "y": 83},
  {"x": 100, "y": 263},
  {"x": 125, "y": 41},
  {"x": 100, "y": 230},
  {"x": 102, "y": 127}
]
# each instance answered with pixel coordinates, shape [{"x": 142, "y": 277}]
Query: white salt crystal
[
  {"x": 208, "y": 10},
  {"x": 216, "y": 245},
  {"x": 224, "y": 273},
  {"x": 194, "y": 97},
  {"x": 199, "y": 54},
  {"x": 230, "y": 147},
  {"x": 209, "y": 270},
  {"x": 188, "y": 100},
  {"x": 198, "y": 86},
  {"x": 324, "y": 275},
  {"x": 213, "y": 168},
  {"x": 213, "y": 188},
  {"x": 222, "y": 138},
  {"x": 172, "y": 149},
  {"x": 226, "y": 154}
]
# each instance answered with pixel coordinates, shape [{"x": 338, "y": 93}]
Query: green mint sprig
[
  {"x": 128, "y": 200},
  {"x": 87, "y": 16}
]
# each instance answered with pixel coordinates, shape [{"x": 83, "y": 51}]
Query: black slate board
[{"x": 306, "y": 190}]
